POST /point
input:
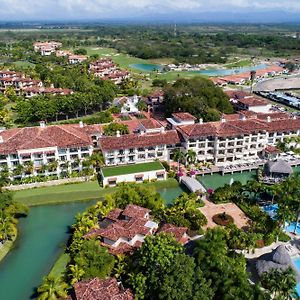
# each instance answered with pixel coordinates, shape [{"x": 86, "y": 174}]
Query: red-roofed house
[
  {"x": 181, "y": 119},
  {"x": 180, "y": 233},
  {"x": 124, "y": 231},
  {"x": 101, "y": 289}
]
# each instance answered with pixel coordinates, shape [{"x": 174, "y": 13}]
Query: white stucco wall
[{"x": 131, "y": 177}]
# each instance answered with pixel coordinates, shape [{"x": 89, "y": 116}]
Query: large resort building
[
  {"x": 235, "y": 138},
  {"x": 25, "y": 151}
]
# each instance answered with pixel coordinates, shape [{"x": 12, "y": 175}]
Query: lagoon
[
  {"x": 41, "y": 238},
  {"x": 147, "y": 67},
  {"x": 212, "y": 72}
]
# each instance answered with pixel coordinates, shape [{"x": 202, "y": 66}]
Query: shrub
[{"x": 223, "y": 219}]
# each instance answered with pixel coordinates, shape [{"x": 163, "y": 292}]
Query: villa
[
  {"x": 106, "y": 69},
  {"x": 77, "y": 59},
  {"x": 46, "y": 48},
  {"x": 100, "y": 289},
  {"x": 29, "y": 92},
  {"x": 180, "y": 233},
  {"x": 123, "y": 231}
]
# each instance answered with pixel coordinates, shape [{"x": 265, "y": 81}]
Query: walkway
[
  {"x": 192, "y": 184},
  {"x": 210, "y": 209}
]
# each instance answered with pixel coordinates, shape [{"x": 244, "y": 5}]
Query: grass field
[
  {"x": 60, "y": 265},
  {"x": 23, "y": 64},
  {"x": 239, "y": 64},
  {"x": 6, "y": 247},
  {"x": 75, "y": 192},
  {"x": 131, "y": 169}
]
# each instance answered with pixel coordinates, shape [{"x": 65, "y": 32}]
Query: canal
[{"x": 42, "y": 236}]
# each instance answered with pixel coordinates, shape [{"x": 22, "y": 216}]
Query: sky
[{"x": 177, "y": 10}]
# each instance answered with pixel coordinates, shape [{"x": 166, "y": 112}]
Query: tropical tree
[
  {"x": 76, "y": 273},
  {"x": 94, "y": 260},
  {"x": 52, "y": 288},
  {"x": 191, "y": 156},
  {"x": 178, "y": 156},
  {"x": 280, "y": 283},
  {"x": 142, "y": 105}
]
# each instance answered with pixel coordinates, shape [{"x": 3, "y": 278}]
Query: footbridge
[{"x": 192, "y": 184}]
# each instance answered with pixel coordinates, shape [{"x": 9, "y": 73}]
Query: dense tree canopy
[{"x": 198, "y": 96}]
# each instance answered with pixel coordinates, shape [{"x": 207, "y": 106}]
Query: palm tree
[
  {"x": 52, "y": 288},
  {"x": 96, "y": 160},
  {"x": 190, "y": 156},
  {"x": 178, "y": 156},
  {"x": 76, "y": 273},
  {"x": 280, "y": 283}
]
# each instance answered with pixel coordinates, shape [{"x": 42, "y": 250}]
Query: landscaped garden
[{"x": 131, "y": 169}]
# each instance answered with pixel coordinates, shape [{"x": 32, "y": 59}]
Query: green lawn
[
  {"x": 75, "y": 192},
  {"x": 122, "y": 59},
  {"x": 6, "y": 248},
  {"x": 131, "y": 169},
  {"x": 239, "y": 64},
  {"x": 60, "y": 265},
  {"x": 23, "y": 64},
  {"x": 173, "y": 75}
]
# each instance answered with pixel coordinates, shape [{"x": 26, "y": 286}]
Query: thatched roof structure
[
  {"x": 277, "y": 259},
  {"x": 280, "y": 167}
]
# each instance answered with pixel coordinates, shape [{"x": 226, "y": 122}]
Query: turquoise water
[
  {"x": 297, "y": 263},
  {"x": 271, "y": 210},
  {"x": 213, "y": 72},
  {"x": 147, "y": 67},
  {"x": 42, "y": 235},
  {"x": 226, "y": 72},
  {"x": 217, "y": 180}
]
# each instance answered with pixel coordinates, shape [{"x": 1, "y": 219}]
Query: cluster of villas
[
  {"x": 26, "y": 86},
  {"x": 124, "y": 231},
  {"x": 49, "y": 48},
  {"x": 46, "y": 48},
  {"x": 242, "y": 136},
  {"x": 106, "y": 69},
  {"x": 242, "y": 78}
]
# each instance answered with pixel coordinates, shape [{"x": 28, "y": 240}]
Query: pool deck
[{"x": 210, "y": 209}]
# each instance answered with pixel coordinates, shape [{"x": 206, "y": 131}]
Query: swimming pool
[
  {"x": 271, "y": 210},
  {"x": 297, "y": 264}
]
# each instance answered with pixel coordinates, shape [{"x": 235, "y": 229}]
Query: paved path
[{"x": 210, "y": 209}]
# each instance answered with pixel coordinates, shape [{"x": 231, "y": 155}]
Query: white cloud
[{"x": 51, "y": 9}]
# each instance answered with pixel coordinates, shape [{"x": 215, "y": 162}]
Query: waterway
[
  {"x": 42, "y": 235},
  {"x": 212, "y": 72}
]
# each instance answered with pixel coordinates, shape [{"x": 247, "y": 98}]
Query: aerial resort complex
[{"x": 145, "y": 159}]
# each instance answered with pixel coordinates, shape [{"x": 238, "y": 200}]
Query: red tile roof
[
  {"x": 253, "y": 101},
  {"x": 135, "y": 211},
  {"x": 178, "y": 232},
  {"x": 234, "y": 94},
  {"x": 62, "y": 136},
  {"x": 234, "y": 127},
  {"x": 127, "y": 141},
  {"x": 101, "y": 289},
  {"x": 150, "y": 124},
  {"x": 184, "y": 116},
  {"x": 114, "y": 214}
]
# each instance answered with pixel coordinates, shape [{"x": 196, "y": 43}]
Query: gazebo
[
  {"x": 277, "y": 259},
  {"x": 278, "y": 169}
]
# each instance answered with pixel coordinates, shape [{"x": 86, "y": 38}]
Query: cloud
[{"x": 85, "y": 9}]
